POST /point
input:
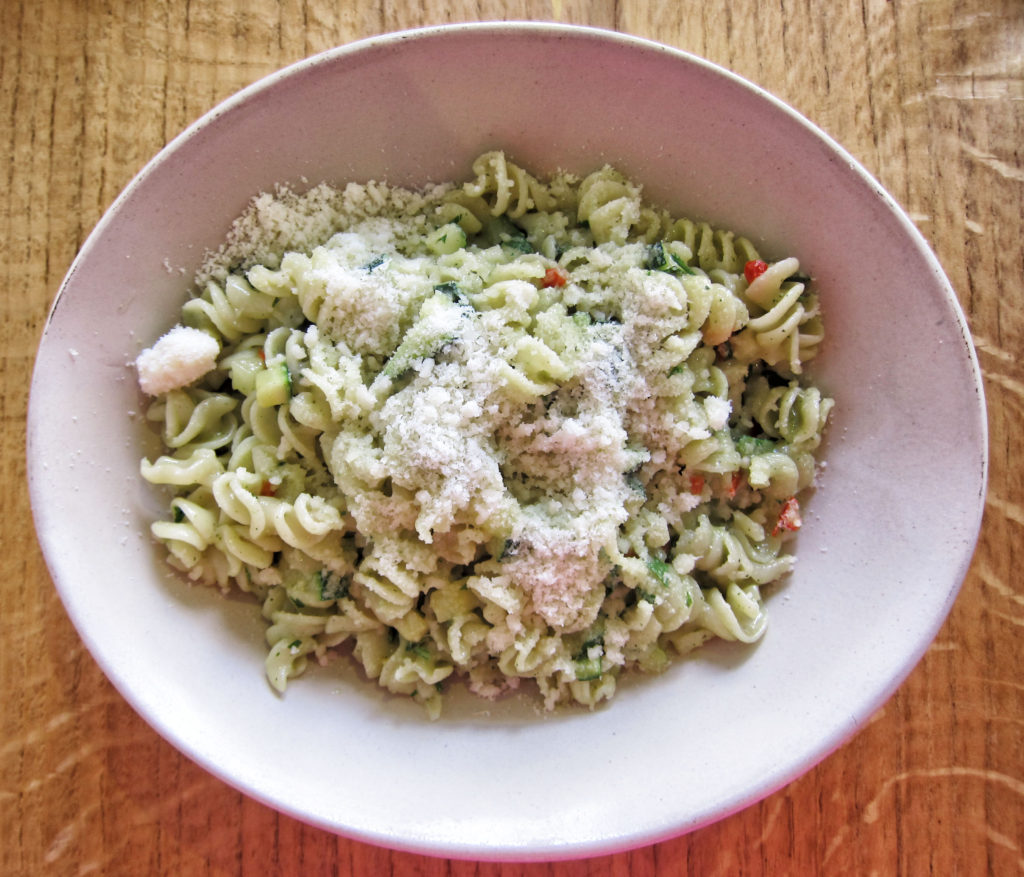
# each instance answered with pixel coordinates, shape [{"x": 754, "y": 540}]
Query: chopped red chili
[
  {"x": 754, "y": 269},
  {"x": 789, "y": 517},
  {"x": 555, "y": 277}
]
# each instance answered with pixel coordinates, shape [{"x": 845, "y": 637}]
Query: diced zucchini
[
  {"x": 447, "y": 239},
  {"x": 273, "y": 386},
  {"x": 244, "y": 366},
  {"x": 587, "y": 669}
]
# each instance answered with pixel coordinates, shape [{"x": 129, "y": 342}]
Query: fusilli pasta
[{"x": 510, "y": 430}]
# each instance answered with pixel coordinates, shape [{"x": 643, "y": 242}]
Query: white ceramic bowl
[{"x": 887, "y": 541}]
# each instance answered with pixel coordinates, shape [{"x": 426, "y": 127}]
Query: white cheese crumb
[
  {"x": 180, "y": 357},
  {"x": 718, "y": 411}
]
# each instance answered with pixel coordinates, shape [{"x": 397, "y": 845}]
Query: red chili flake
[
  {"x": 789, "y": 517},
  {"x": 697, "y": 484},
  {"x": 737, "y": 480},
  {"x": 263, "y": 356},
  {"x": 554, "y": 277},
  {"x": 267, "y": 489},
  {"x": 754, "y": 269}
]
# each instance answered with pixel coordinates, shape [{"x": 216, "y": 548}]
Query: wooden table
[{"x": 928, "y": 94}]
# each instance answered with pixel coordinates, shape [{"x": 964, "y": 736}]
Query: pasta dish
[{"x": 516, "y": 429}]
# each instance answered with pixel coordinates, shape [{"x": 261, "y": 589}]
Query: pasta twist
[
  {"x": 591, "y": 692},
  {"x": 776, "y": 474},
  {"x": 390, "y": 589},
  {"x": 738, "y": 614},
  {"x": 195, "y": 418},
  {"x": 202, "y": 466},
  {"x": 791, "y": 412},
  {"x": 511, "y": 190},
  {"x": 714, "y": 309},
  {"x": 241, "y": 550},
  {"x": 788, "y": 328},
  {"x": 302, "y": 524},
  {"x": 402, "y": 667},
  {"x": 229, "y": 311},
  {"x": 531, "y": 654},
  {"x": 454, "y": 608},
  {"x": 732, "y": 552},
  {"x": 612, "y": 208},
  {"x": 715, "y": 249}
]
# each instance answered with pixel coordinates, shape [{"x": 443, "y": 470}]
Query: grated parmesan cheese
[{"x": 181, "y": 356}]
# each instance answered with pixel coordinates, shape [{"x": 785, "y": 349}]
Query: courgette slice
[
  {"x": 273, "y": 386},
  {"x": 447, "y": 239}
]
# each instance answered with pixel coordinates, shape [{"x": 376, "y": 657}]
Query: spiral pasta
[{"x": 506, "y": 432}]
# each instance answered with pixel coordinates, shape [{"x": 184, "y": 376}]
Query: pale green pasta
[{"x": 511, "y": 430}]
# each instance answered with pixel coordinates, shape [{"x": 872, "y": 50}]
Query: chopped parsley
[{"x": 659, "y": 259}]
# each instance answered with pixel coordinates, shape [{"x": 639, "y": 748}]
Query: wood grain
[{"x": 928, "y": 94}]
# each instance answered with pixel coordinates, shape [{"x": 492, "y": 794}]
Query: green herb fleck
[
  {"x": 451, "y": 289},
  {"x": 658, "y": 259},
  {"x": 419, "y": 649},
  {"x": 683, "y": 267},
  {"x": 659, "y": 569},
  {"x": 332, "y": 585},
  {"x": 519, "y": 244},
  {"x": 748, "y": 445}
]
